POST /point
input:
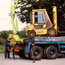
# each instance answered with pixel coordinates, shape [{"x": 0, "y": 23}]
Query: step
[
  {"x": 62, "y": 46},
  {"x": 62, "y": 51}
]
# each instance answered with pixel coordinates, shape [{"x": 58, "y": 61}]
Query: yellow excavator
[{"x": 40, "y": 23}]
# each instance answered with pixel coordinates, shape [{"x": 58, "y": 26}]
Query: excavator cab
[{"x": 40, "y": 24}]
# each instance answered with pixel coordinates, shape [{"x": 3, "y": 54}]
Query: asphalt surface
[{"x": 18, "y": 61}]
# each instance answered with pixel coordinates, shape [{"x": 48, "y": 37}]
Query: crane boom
[
  {"x": 13, "y": 10},
  {"x": 14, "y": 36}
]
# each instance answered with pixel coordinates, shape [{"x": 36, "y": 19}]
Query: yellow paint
[
  {"x": 41, "y": 31},
  {"x": 16, "y": 26},
  {"x": 12, "y": 41},
  {"x": 17, "y": 39},
  {"x": 55, "y": 17},
  {"x": 13, "y": 9},
  {"x": 10, "y": 36}
]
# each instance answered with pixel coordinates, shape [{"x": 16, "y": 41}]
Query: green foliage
[
  {"x": 36, "y": 4},
  {"x": 2, "y": 48},
  {"x": 61, "y": 12},
  {"x": 2, "y": 41},
  {"x": 27, "y": 6},
  {"x": 4, "y": 34}
]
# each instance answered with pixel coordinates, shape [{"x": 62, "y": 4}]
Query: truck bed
[{"x": 62, "y": 38}]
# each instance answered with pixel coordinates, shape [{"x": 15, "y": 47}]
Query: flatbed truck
[
  {"x": 38, "y": 47},
  {"x": 33, "y": 46}
]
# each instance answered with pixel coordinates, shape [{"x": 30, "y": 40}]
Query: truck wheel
[
  {"x": 21, "y": 54},
  {"x": 51, "y": 52},
  {"x": 36, "y": 52},
  {"x": 31, "y": 34},
  {"x": 45, "y": 52},
  {"x": 51, "y": 32}
]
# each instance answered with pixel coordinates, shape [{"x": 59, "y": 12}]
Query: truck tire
[
  {"x": 51, "y": 32},
  {"x": 37, "y": 52},
  {"x": 45, "y": 52},
  {"x": 31, "y": 34},
  {"x": 21, "y": 54},
  {"x": 51, "y": 52}
]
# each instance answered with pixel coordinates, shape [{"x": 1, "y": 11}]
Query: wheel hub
[
  {"x": 52, "y": 52},
  {"x": 52, "y": 31},
  {"x": 36, "y": 53},
  {"x": 31, "y": 34}
]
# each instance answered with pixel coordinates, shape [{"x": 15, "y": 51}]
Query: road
[{"x": 59, "y": 61}]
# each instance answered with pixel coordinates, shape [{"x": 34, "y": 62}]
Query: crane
[{"x": 14, "y": 36}]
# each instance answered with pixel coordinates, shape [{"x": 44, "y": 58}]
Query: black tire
[
  {"x": 51, "y": 52},
  {"x": 45, "y": 52},
  {"x": 21, "y": 54},
  {"x": 31, "y": 34},
  {"x": 53, "y": 33},
  {"x": 37, "y": 52}
]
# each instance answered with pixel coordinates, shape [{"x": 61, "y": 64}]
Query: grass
[{"x": 2, "y": 48}]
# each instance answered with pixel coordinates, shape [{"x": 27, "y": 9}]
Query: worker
[
  {"x": 7, "y": 47},
  {"x": 14, "y": 52}
]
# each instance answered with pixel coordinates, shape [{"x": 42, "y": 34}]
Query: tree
[
  {"x": 61, "y": 12},
  {"x": 4, "y": 34},
  {"x": 2, "y": 41},
  {"x": 28, "y": 5}
]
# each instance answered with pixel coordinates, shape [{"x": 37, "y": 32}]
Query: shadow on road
[{"x": 60, "y": 56}]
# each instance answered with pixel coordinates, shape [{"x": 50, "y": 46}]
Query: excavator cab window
[{"x": 40, "y": 17}]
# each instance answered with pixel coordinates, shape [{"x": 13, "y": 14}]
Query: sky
[{"x": 5, "y": 19}]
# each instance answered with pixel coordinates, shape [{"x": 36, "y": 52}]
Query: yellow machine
[
  {"x": 40, "y": 23},
  {"x": 14, "y": 37}
]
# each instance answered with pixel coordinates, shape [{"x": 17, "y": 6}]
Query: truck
[{"x": 35, "y": 47}]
